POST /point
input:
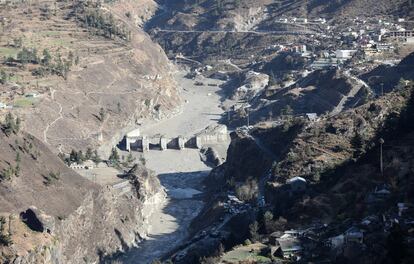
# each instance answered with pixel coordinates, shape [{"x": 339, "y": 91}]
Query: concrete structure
[
  {"x": 163, "y": 143},
  {"x": 290, "y": 246},
  {"x": 354, "y": 234},
  {"x": 76, "y": 166},
  {"x": 344, "y": 54},
  {"x": 87, "y": 165},
  {"x": 131, "y": 138},
  {"x": 323, "y": 63},
  {"x": 401, "y": 34},
  {"x": 312, "y": 117},
  {"x": 181, "y": 142},
  {"x": 211, "y": 135},
  {"x": 145, "y": 144}
]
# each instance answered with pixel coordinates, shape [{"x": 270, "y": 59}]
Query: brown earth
[
  {"x": 129, "y": 80},
  {"x": 81, "y": 221}
]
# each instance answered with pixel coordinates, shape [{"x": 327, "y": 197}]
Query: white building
[{"x": 344, "y": 54}]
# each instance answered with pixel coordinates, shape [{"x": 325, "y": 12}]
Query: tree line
[
  {"x": 105, "y": 24},
  {"x": 48, "y": 65}
]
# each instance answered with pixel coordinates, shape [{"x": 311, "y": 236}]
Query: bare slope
[
  {"x": 114, "y": 80},
  {"x": 69, "y": 219},
  {"x": 243, "y": 15}
]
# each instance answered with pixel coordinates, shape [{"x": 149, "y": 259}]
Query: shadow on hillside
[{"x": 175, "y": 220}]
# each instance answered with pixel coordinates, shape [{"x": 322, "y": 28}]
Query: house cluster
[
  {"x": 345, "y": 238},
  {"x": 234, "y": 205},
  {"x": 86, "y": 165},
  {"x": 302, "y": 20},
  {"x": 5, "y": 106},
  {"x": 295, "y": 245}
]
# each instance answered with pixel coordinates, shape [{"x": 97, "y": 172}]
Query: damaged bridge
[{"x": 134, "y": 141}]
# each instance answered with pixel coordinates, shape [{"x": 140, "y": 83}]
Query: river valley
[{"x": 181, "y": 172}]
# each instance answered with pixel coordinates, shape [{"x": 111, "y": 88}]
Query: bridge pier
[
  {"x": 145, "y": 144},
  {"x": 163, "y": 143},
  {"x": 181, "y": 142},
  {"x": 128, "y": 144},
  {"x": 198, "y": 144}
]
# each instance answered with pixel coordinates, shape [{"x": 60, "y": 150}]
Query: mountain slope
[
  {"x": 94, "y": 82},
  {"x": 53, "y": 215}
]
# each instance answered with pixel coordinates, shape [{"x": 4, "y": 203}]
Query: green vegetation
[
  {"x": 5, "y": 239},
  {"x": 254, "y": 231},
  {"x": 129, "y": 160},
  {"x": 8, "y": 173},
  {"x": 79, "y": 158},
  {"x": 8, "y": 52},
  {"x": 48, "y": 64},
  {"x": 4, "y": 77},
  {"x": 114, "y": 157},
  {"x": 358, "y": 143},
  {"x": 11, "y": 125},
  {"x": 105, "y": 25},
  {"x": 88, "y": 154},
  {"x": 95, "y": 157},
  {"x": 51, "y": 178},
  {"x": 59, "y": 66},
  {"x": 24, "y": 102},
  {"x": 246, "y": 254},
  {"x": 27, "y": 55},
  {"x": 102, "y": 114},
  {"x": 75, "y": 157}
]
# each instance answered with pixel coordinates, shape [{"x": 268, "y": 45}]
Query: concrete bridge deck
[{"x": 211, "y": 135}]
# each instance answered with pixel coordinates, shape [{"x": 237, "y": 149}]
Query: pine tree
[
  {"x": 17, "y": 127},
  {"x": 88, "y": 154},
  {"x": 73, "y": 156},
  {"x": 101, "y": 114},
  {"x": 114, "y": 157},
  {"x": 10, "y": 125},
  {"x": 130, "y": 158},
  {"x": 358, "y": 144},
  {"x": 254, "y": 231},
  {"x": 96, "y": 158},
  {"x": 3, "y": 77}
]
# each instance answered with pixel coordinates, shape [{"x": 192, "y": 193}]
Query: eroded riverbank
[{"x": 181, "y": 172}]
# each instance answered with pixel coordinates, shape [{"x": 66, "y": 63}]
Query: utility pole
[{"x": 381, "y": 141}]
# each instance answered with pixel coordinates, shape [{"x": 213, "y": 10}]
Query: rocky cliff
[{"x": 53, "y": 215}]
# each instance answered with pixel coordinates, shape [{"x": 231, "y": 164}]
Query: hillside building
[{"x": 343, "y": 55}]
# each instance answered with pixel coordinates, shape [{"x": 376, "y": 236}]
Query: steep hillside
[
  {"x": 92, "y": 70},
  {"x": 320, "y": 92},
  {"x": 339, "y": 158},
  {"x": 244, "y": 15},
  {"x": 53, "y": 215},
  {"x": 345, "y": 191},
  {"x": 386, "y": 77}
]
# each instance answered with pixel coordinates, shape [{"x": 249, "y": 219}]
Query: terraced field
[{"x": 109, "y": 75}]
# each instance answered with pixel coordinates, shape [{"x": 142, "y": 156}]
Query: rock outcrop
[{"x": 53, "y": 215}]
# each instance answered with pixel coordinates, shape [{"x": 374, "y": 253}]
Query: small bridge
[{"x": 134, "y": 141}]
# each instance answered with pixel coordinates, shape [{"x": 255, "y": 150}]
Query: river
[{"x": 181, "y": 172}]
